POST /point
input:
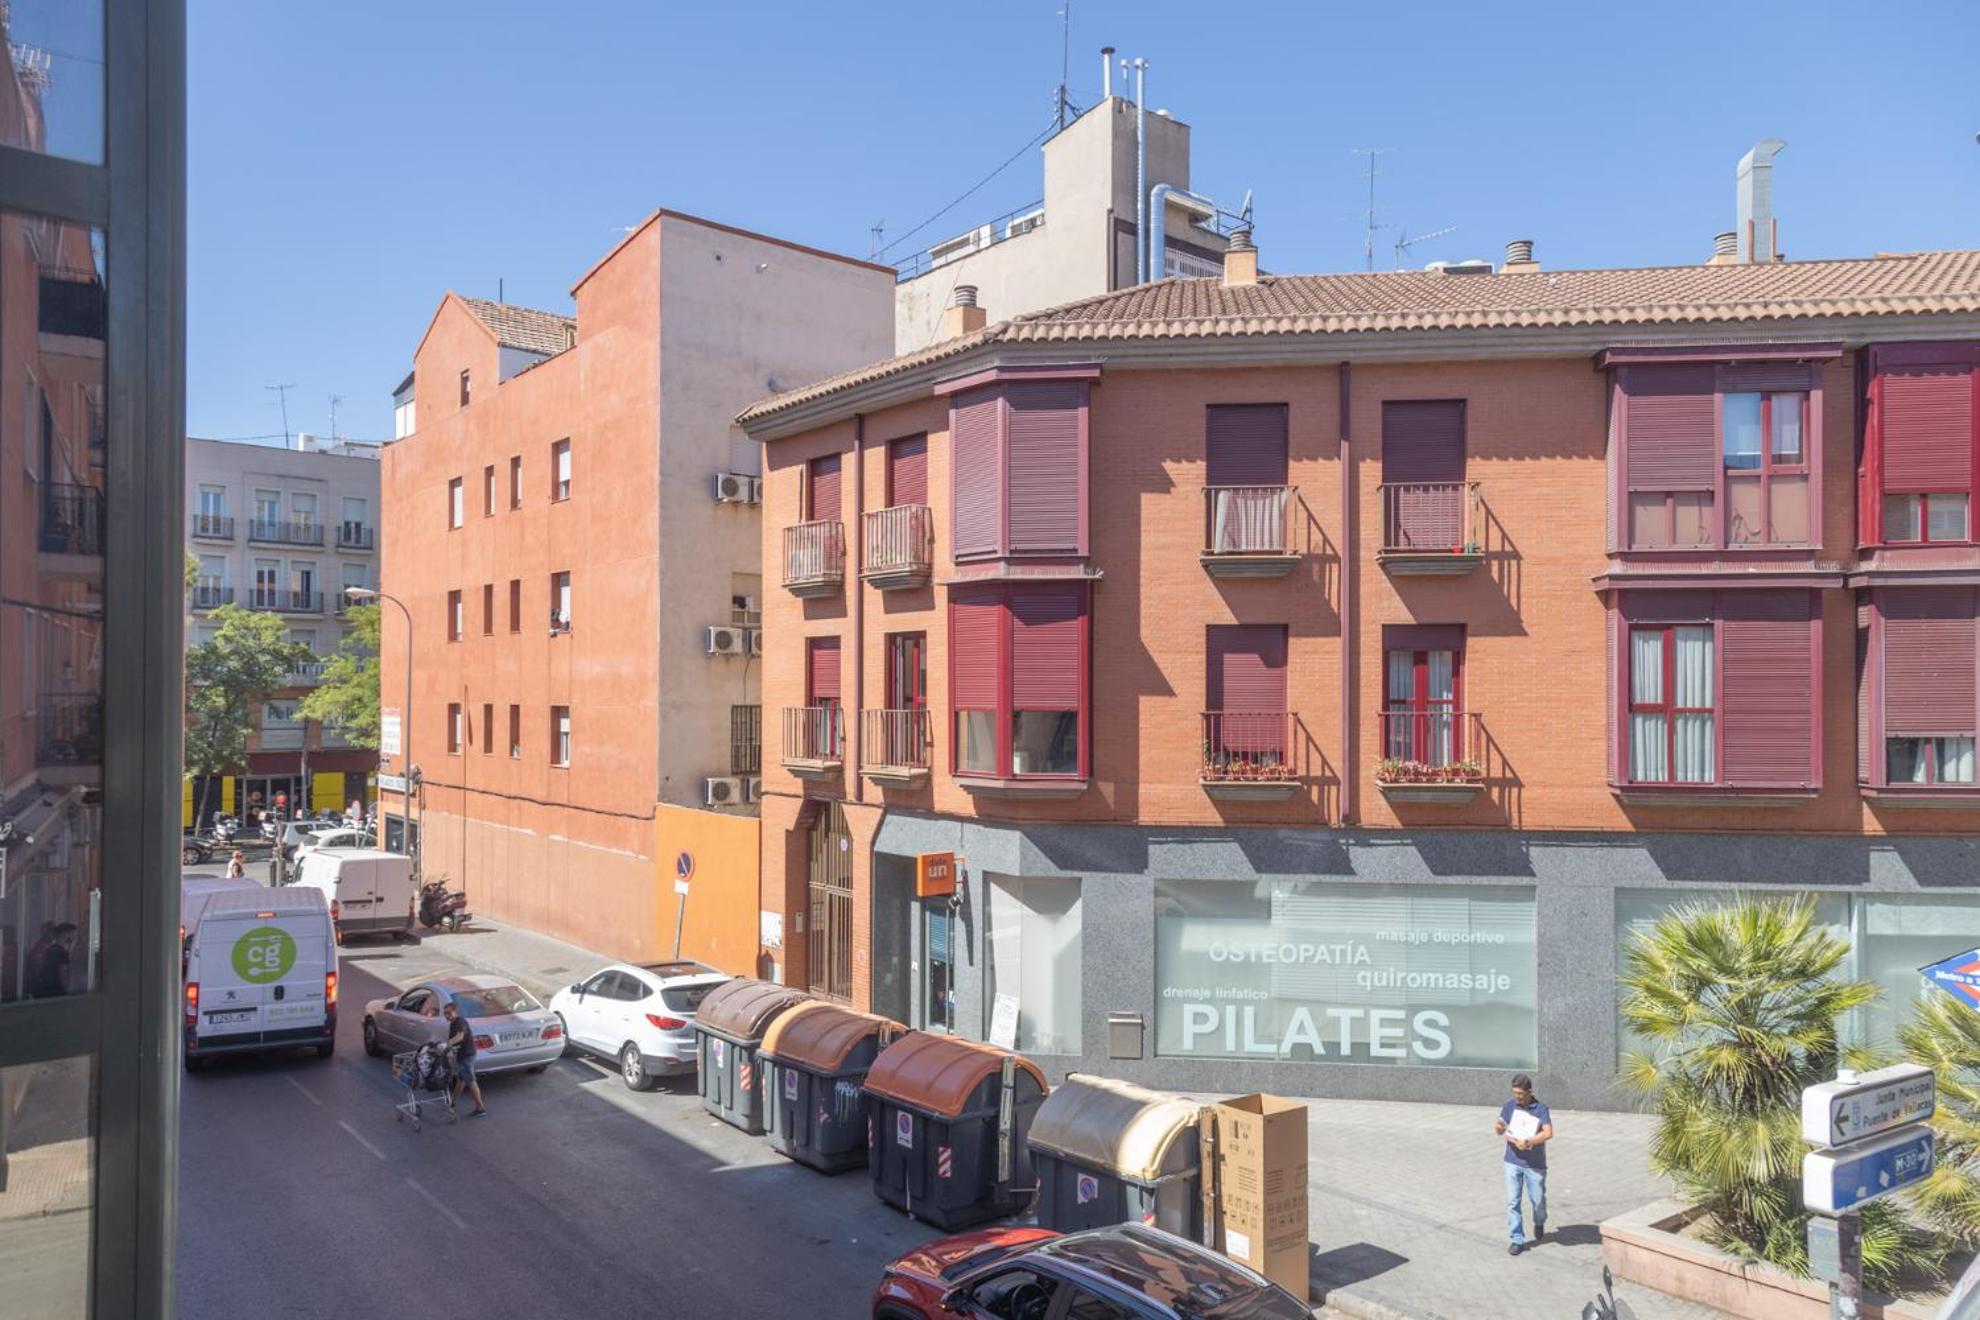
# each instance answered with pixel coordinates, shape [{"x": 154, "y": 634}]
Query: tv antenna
[
  {"x": 335, "y": 399},
  {"x": 1065, "y": 62},
  {"x": 1371, "y": 153},
  {"x": 282, "y": 393},
  {"x": 875, "y": 232},
  {"x": 1404, "y": 242}
]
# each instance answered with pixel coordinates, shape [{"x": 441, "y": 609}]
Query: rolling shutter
[
  {"x": 824, "y": 504},
  {"x": 976, "y": 465},
  {"x": 974, "y": 625},
  {"x": 1759, "y": 377},
  {"x": 907, "y": 471},
  {"x": 822, "y": 671},
  {"x": 1045, "y": 646},
  {"x": 1245, "y": 444},
  {"x": 1422, "y": 441},
  {"x": 1767, "y": 692},
  {"x": 1045, "y": 467},
  {"x": 1246, "y": 668},
  {"x": 1669, "y": 433},
  {"x": 1926, "y": 419},
  {"x": 1929, "y": 647}
]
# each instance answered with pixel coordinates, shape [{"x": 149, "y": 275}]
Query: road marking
[
  {"x": 437, "y": 1204},
  {"x": 304, "y": 1089},
  {"x": 359, "y": 1139}
]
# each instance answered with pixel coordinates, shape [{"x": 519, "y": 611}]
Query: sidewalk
[{"x": 1405, "y": 1209}]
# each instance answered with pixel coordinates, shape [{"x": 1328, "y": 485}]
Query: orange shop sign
[{"x": 934, "y": 874}]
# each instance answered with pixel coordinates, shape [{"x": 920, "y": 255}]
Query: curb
[{"x": 1337, "y": 1301}]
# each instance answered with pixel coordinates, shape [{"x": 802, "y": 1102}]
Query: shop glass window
[
  {"x": 1671, "y": 713},
  {"x": 1034, "y": 943},
  {"x": 938, "y": 988}
]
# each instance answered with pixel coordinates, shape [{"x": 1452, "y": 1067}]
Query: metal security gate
[{"x": 830, "y": 932}]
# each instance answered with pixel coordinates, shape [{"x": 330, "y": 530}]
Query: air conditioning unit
[
  {"x": 755, "y": 640},
  {"x": 724, "y": 791},
  {"x": 752, "y": 788},
  {"x": 755, "y": 490},
  {"x": 731, "y": 488},
  {"x": 725, "y": 641}
]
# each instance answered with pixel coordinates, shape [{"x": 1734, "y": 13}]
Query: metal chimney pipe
[
  {"x": 1519, "y": 252},
  {"x": 1726, "y": 245},
  {"x": 1106, "y": 72},
  {"x": 1140, "y": 172},
  {"x": 1755, "y": 196},
  {"x": 964, "y": 295}
]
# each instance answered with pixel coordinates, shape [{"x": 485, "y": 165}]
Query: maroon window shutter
[
  {"x": 1045, "y": 651},
  {"x": 822, "y": 671},
  {"x": 976, "y": 465},
  {"x": 1667, "y": 606},
  {"x": 907, "y": 470},
  {"x": 1245, "y": 444},
  {"x": 1422, "y": 441},
  {"x": 1670, "y": 432},
  {"x": 1767, "y": 697},
  {"x": 1246, "y": 668},
  {"x": 1928, "y": 659},
  {"x": 1927, "y": 419},
  {"x": 1423, "y": 637},
  {"x": 974, "y": 623},
  {"x": 1045, "y": 466},
  {"x": 1760, "y": 377},
  {"x": 824, "y": 494}
]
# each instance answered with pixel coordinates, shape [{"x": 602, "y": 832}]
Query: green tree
[
  {"x": 347, "y": 698},
  {"x": 1739, "y": 1003},
  {"x": 250, "y": 656},
  {"x": 1944, "y": 1035},
  {"x": 192, "y": 571}
]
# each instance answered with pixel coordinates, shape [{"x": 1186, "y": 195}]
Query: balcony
[
  {"x": 1248, "y": 755},
  {"x": 814, "y": 739},
  {"x": 68, "y": 729},
  {"x": 211, "y": 596},
  {"x": 279, "y": 532},
  {"x": 212, "y": 527},
  {"x": 285, "y": 602},
  {"x": 71, "y": 520},
  {"x": 815, "y": 558},
  {"x": 1247, "y": 531},
  {"x": 356, "y": 536},
  {"x": 894, "y": 746},
  {"x": 1431, "y": 756},
  {"x": 307, "y": 674},
  {"x": 1431, "y": 528},
  {"x": 900, "y": 547}
]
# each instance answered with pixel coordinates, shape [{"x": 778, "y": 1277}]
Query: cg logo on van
[{"x": 264, "y": 954}]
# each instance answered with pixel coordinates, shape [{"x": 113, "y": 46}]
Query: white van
[
  {"x": 261, "y": 974},
  {"x": 195, "y": 892},
  {"x": 370, "y": 891}
]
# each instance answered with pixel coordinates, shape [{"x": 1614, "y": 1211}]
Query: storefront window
[
  {"x": 1034, "y": 957},
  {"x": 1324, "y": 972},
  {"x": 938, "y": 991}
]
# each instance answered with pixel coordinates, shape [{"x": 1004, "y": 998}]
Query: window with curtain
[
  {"x": 1420, "y": 710},
  {"x": 1671, "y": 705},
  {"x": 1928, "y": 760},
  {"x": 1766, "y": 464},
  {"x": 1034, "y": 942}
]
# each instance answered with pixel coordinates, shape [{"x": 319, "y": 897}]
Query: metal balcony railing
[
  {"x": 900, "y": 542},
  {"x": 68, "y": 728},
  {"x": 896, "y": 739},
  {"x": 285, "y": 532},
  {"x": 71, "y": 519},
  {"x": 814, "y": 555},
  {"x": 356, "y": 536},
  {"x": 1434, "y": 746},
  {"x": 306, "y": 674},
  {"x": 814, "y": 733},
  {"x": 212, "y": 527},
  {"x": 1012, "y": 224},
  {"x": 1244, "y": 745},
  {"x": 1247, "y": 520},
  {"x": 211, "y": 595},
  {"x": 285, "y": 601},
  {"x": 1431, "y": 517}
]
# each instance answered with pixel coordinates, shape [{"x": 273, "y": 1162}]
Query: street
[{"x": 300, "y": 1195}]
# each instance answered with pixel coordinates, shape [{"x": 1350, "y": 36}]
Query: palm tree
[
  {"x": 1944, "y": 1035},
  {"x": 1739, "y": 1002}
]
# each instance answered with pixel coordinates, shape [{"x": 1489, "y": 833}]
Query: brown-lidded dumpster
[
  {"x": 815, "y": 1058},
  {"x": 1111, "y": 1152},
  {"x": 728, "y": 1028},
  {"x": 947, "y": 1120}
]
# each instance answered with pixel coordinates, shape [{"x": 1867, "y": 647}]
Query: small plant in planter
[{"x": 1395, "y": 770}]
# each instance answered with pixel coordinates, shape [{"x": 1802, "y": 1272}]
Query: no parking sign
[
  {"x": 1086, "y": 1188},
  {"x": 904, "y": 1130}
]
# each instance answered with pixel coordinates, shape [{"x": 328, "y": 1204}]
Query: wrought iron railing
[
  {"x": 71, "y": 519},
  {"x": 212, "y": 527},
  {"x": 814, "y": 733},
  {"x": 1434, "y": 746},
  {"x": 814, "y": 554},
  {"x": 1247, "y": 520},
  {"x": 68, "y": 728},
  {"x": 285, "y": 532},
  {"x": 1244, "y": 746},
  {"x": 211, "y": 596},
  {"x": 899, "y": 540},
  {"x": 1431, "y": 517},
  {"x": 1011, "y": 224},
  {"x": 898, "y": 739},
  {"x": 356, "y": 536}
]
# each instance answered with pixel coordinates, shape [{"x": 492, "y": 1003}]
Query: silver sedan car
[{"x": 511, "y": 1028}]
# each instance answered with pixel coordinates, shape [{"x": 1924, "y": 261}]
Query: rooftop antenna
[
  {"x": 1404, "y": 242},
  {"x": 499, "y": 287},
  {"x": 282, "y": 392},
  {"x": 876, "y": 232},
  {"x": 1371, "y": 153},
  {"x": 1065, "y": 61},
  {"x": 335, "y": 399}
]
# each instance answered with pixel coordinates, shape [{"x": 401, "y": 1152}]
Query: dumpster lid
[
  {"x": 937, "y": 1073},
  {"x": 819, "y": 1035},
  {"x": 741, "y": 1008},
  {"x": 1114, "y": 1125}
]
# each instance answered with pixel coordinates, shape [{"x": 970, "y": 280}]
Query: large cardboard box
[{"x": 1254, "y": 1188}]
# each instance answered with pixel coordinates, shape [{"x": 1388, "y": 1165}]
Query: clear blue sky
[{"x": 351, "y": 162}]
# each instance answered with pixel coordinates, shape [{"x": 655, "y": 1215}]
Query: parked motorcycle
[
  {"x": 224, "y": 829},
  {"x": 441, "y": 906},
  {"x": 1605, "y": 1306}
]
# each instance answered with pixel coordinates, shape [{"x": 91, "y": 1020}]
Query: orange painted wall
[{"x": 720, "y": 925}]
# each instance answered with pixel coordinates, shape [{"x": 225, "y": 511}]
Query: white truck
[
  {"x": 370, "y": 891},
  {"x": 261, "y": 974}
]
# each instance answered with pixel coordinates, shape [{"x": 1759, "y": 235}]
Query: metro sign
[{"x": 1958, "y": 976}]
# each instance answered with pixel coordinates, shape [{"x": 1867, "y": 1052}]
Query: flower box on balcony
[{"x": 1415, "y": 781}]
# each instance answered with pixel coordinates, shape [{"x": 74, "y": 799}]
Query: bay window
[
  {"x": 1919, "y": 694},
  {"x": 1910, "y": 759},
  {"x": 1921, "y": 444},
  {"x": 1018, "y": 680},
  {"x": 1671, "y": 715},
  {"x": 1766, "y": 460}
]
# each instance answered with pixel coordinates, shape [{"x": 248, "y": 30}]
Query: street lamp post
[{"x": 356, "y": 594}]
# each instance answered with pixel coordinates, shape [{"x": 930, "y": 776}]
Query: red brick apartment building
[
  {"x": 1319, "y": 673},
  {"x": 572, "y": 528}
]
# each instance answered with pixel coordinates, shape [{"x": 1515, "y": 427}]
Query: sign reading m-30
[
  {"x": 1836, "y": 1181},
  {"x": 1844, "y": 1111}
]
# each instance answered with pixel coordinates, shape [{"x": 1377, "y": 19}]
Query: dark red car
[{"x": 1126, "y": 1272}]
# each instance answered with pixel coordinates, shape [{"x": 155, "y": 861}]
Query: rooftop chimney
[
  {"x": 962, "y": 314},
  {"x": 1725, "y": 249},
  {"x": 1519, "y": 258},
  {"x": 1106, "y": 72},
  {"x": 1240, "y": 259},
  {"x": 1758, "y": 232}
]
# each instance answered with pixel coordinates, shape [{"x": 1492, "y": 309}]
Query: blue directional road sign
[
  {"x": 1958, "y": 976},
  {"x": 1834, "y": 1181}
]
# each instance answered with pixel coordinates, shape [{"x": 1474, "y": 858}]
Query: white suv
[{"x": 640, "y": 1016}]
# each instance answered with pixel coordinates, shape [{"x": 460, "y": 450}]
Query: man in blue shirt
[{"x": 1527, "y": 1126}]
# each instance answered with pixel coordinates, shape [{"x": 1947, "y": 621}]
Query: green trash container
[
  {"x": 814, "y": 1061},
  {"x": 728, "y": 1028},
  {"x": 1110, "y": 1152}
]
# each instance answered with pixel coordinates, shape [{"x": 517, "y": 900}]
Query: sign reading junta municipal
[
  {"x": 1852, "y": 1108},
  {"x": 1843, "y": 1179}
]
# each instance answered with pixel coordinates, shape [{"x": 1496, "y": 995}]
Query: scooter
[
  {"x": 1605, "y": 1306},
  {"x": 441, "y": 906}
]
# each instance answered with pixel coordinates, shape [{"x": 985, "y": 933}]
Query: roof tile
[{"x": 526, "y": 328}]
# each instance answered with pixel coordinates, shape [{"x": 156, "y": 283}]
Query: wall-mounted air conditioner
[
  {"x": 724, "y": 641},
  {"x": 734, "y": 488},
  {"x": 752, "y": 788},
  {"x": 724, "y": 791},
  {"x": 755, "y": 640},
  {"x": 756, "y": 490}
]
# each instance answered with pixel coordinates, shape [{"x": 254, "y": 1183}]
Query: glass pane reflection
[
  {"x": 46, "y": 1159},
  {"x": 53, "y": 100}
]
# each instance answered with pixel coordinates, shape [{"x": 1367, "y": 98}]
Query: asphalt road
[{"x": 301, "y": 1196}]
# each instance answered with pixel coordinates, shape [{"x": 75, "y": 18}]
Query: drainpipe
[
  {"x": 858, "y": 605},
  {"x": 1158, "y": 224},
  {"x": 1350, "y": 760}
]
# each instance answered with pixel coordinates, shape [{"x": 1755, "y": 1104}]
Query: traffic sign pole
[
  {"x": 1872, "y": 1140},
  {"x": 683, "y": 869}
]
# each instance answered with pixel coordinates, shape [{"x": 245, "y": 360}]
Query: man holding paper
[{"x": 1527, "y": 1126}]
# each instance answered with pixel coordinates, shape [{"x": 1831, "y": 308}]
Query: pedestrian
[
  {"x": 237, "y": 865},
  {"x": 1527, "y": 1126},
  {"x": 460, "y": 1039},
  {"x": 51, "y": 977}
]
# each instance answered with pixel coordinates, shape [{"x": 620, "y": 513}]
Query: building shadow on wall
[
  {"x": 1503, "y": 563},
  {"x": 1774, "y": 859},
  {"x": 1343, "y": 1267},
  {"x": 1500, "y": 801}
]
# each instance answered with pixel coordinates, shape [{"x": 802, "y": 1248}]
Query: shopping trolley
[{"x": 428, "y": 1075}]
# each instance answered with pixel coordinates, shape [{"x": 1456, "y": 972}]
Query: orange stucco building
[{"x": 568, "y": 525}]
